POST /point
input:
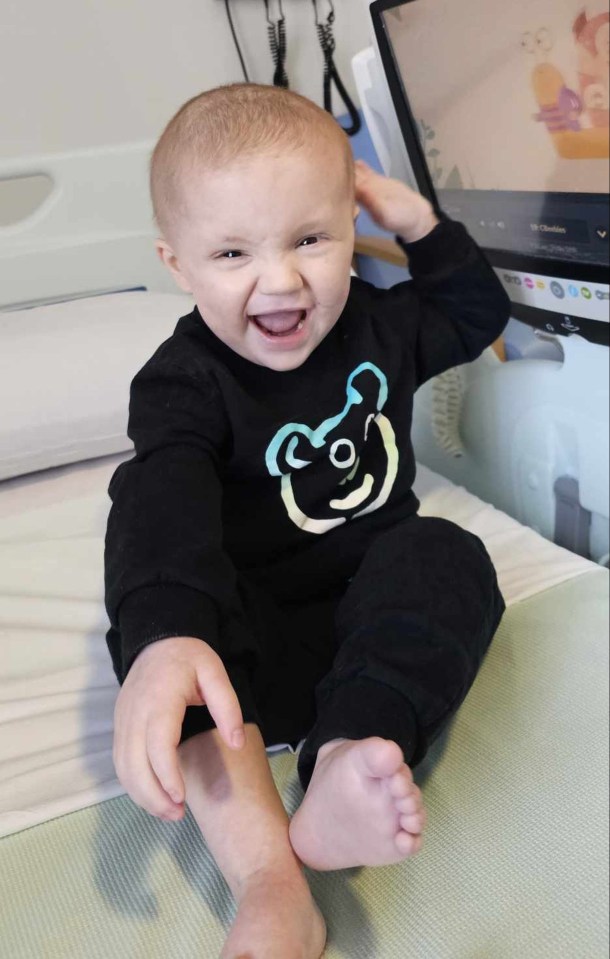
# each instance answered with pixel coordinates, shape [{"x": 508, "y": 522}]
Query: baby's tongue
[{"x": 280, "y": 322}]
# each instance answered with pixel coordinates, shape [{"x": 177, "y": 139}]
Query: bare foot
[
  {"x": 361, "y": 808},
  {"x": 277, "y": 918}
]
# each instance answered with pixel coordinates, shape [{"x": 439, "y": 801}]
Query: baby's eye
[
  {"x": 309, "y": 240},
  {"x": 230, "y": 254}
]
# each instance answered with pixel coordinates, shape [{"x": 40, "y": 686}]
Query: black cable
[
  {"x": 277, "y": 41},
  {"x": 331, "y": 74},
  {"x": 235, "y": 41}
]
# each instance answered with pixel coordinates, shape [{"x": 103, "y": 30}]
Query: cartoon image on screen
[
  {"x": 576, "y": 120},
  {"x": 593, "y": 39},
  {"x": 519, "y": 103}
]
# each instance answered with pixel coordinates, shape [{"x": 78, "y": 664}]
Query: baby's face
[{"x": 266, "y": 250}]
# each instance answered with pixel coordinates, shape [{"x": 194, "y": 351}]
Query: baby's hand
[
  {"x": 393, "y": 205},
  {"x": 165, "y": 678}
]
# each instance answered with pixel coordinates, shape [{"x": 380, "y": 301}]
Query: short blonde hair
[{"x": 227, "y": 123}]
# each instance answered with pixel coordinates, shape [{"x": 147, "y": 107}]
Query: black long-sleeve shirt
[{"x": 284, "y": 477}]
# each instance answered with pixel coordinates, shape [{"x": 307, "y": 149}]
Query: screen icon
[
  {"x": 586, "y": 292},
  {"x": 573, "y": 290},
  {"x": 540, "y": 284},
  {"x": 557, "y": 290},
  {"x": 529, "y": 283}
]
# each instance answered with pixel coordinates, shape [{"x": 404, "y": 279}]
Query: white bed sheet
[{"x": 57, "y": 687}]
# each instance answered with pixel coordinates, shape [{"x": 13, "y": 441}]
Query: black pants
[{"x": 392, "y": 655}]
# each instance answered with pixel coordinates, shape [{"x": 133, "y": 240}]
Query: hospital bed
[{"x": 515, "y": 860}]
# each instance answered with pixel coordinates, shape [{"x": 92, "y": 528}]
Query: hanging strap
[
  {"x": 331, "y": 74},
  {"x": 276, "y": 30}
]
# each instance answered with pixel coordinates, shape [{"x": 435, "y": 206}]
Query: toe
[
  {"x": 410, "y": 803},
  {"x": 408, "y": 844},
  {"x": 381, "y": 758},
  {"x": 401, "y": 783},
  {"x": 414, "y": 823}
]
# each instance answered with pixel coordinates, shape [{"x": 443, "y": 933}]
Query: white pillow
[{"x": 65, "y": 372}]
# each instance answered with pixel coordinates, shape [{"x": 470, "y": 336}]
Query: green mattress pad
[{"x": 514, "y": 864}]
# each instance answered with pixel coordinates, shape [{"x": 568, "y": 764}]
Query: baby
[{"x": 268, "y": 577}]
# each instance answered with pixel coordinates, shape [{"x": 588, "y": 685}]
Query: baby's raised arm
[
  {"x": 393, "y": 205},
  {"x": 454, "y": 305},
  {"x": 165, "y": 678}
]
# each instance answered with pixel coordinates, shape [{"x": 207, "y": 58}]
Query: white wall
[{"x": 77, "y": 74}]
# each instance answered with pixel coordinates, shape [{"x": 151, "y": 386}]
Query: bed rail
[{"x": 92, "y": 233}]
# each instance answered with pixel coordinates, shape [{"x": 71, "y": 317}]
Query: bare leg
[{"x": 236, "y": 805}]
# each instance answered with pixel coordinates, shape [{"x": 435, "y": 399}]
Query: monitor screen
[{"x": 504, "y": 110}]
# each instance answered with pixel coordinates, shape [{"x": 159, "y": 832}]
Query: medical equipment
[
  {"x": 331, "y": 75},
  {"x": 276, "y": 30},
  {"x": 525, "y": 428},
  {"x": 324, "y": 17}
]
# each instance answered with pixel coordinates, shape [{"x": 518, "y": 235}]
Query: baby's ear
[{"x": 170, "y": 260}]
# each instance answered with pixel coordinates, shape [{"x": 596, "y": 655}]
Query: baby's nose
[{"x": 280, "y": 276}]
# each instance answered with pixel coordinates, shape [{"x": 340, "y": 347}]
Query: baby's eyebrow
[
  {"x": 233, "y": 239},
  {"x": 313, "y": 226}
]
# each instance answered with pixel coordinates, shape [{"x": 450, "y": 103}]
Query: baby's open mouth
[{"x": 282, "y": 323}]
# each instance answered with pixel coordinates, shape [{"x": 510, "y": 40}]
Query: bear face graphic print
[{"x": 344, "y": 467}]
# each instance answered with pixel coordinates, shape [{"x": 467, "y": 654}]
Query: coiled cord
[
  {"x": 276, "y": 31},
  {"x": 327, "y": 43}
]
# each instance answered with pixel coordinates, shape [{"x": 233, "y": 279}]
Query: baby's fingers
[
  {"x": 162, "y": 738},
  {"x": 362, "y": 168},
  {"x": 364, "y": 176},
  {"x": 222, "y": 702},
  {"x": 135, "y": 772}
]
